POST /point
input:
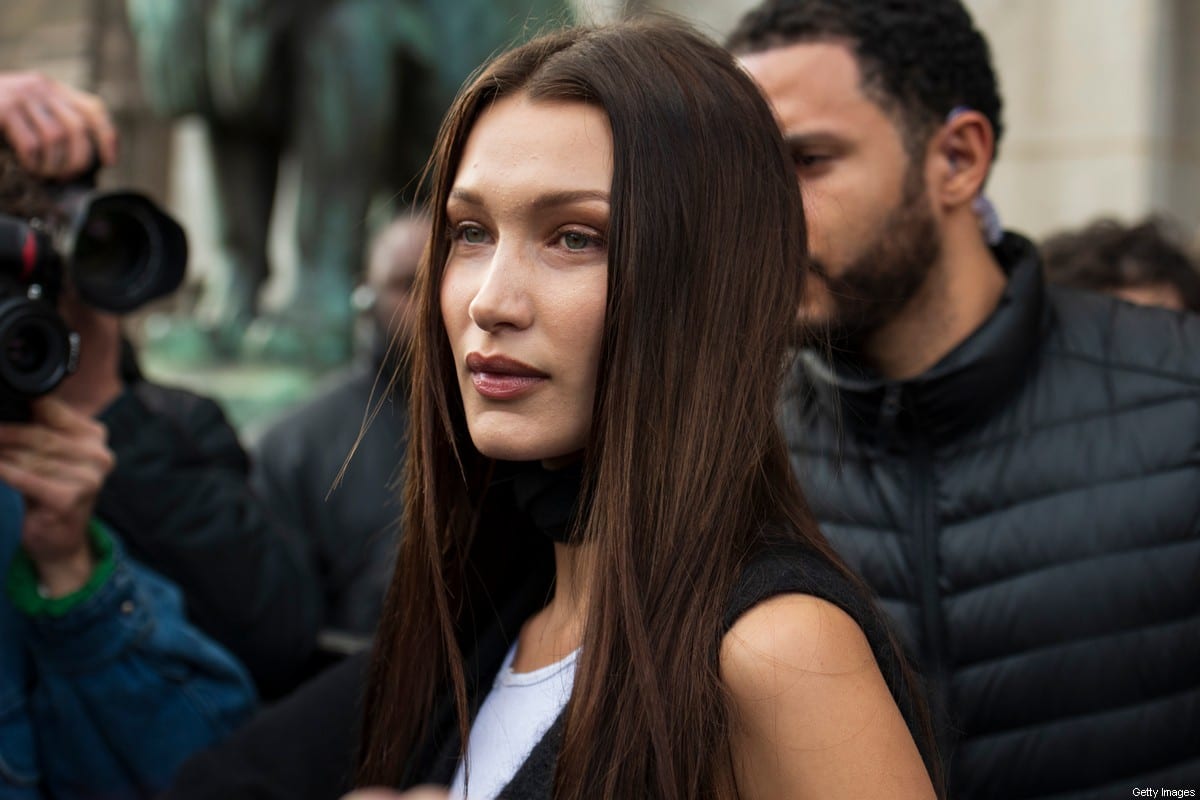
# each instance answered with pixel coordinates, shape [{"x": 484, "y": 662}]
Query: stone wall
[
  {"x": 1101, "y": 109},
  {"x": 52, "y": 37}
]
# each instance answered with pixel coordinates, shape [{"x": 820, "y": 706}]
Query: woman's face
[{"x": 523, "y": 294}]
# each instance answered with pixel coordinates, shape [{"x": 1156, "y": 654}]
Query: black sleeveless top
[
  {"x": 781, "y": 568},
  {"x": 303, "y": 748}
]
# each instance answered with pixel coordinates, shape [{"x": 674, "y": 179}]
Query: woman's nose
[{"x": 503, "y": 298}]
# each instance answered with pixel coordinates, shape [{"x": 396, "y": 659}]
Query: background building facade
[{"x": 1102, "y": 100}]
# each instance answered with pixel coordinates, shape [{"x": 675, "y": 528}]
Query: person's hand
[
  {"x": 419, "y": 793},
  {"x": 56, "y": 131},
  {"x": 58, "y": 462}
]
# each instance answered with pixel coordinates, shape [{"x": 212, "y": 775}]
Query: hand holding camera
[
  {"x": 68, "y": 253},
  {"x": 56, "y": 131},
  {"x": 113, "y": 251},
  {"x": 58, "y": 464}
]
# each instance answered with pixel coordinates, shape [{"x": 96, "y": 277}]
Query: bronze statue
[{"x": 354, "y": 88}]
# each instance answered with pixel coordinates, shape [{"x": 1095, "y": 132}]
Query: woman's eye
[
  {"x": 573, "y": 240},
  {"x": 472, "y": 234}
]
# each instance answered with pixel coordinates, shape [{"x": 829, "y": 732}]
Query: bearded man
[{"x": 1015, "y": 470}]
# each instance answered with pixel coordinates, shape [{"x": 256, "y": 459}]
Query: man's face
[
  {"x": 391, "y": 270},
  {"x": 871, "y": 230}
]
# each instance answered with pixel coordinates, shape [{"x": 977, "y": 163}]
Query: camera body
[{"x": 117, "y": 250}]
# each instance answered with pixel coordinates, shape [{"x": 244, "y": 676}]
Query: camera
[{"x": 117, "y": 250}]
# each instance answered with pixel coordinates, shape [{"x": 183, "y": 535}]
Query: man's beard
[{"x": 875, "y": 287}]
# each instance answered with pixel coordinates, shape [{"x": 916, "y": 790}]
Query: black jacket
[
  {"x": 349, "y": 532},
  {"x": 180, "y": 498},
  {"x": 1028, "y": 511}
]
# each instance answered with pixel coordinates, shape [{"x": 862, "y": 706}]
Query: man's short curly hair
[{"x": 919, "y": 59}]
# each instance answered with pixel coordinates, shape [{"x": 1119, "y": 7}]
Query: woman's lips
[
  {"x": 501, "y": 378},
  {"x": 499, "y": 386}
]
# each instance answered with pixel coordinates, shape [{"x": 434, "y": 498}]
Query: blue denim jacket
[{"x": 106, "y": 701}]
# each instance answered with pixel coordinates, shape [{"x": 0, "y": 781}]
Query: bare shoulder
[
  {"x": 812, "y": 713},
  {"x": 804, "y": 663},
  {"x": 792, "y": 632}
]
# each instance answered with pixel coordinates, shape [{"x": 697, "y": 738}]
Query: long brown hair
[{"x": 685, "y": 467}]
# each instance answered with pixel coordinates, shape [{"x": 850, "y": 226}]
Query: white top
[{"x": 514, "y": 717}]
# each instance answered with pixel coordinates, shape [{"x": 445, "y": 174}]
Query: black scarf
[{"x": 549, "y": 496}]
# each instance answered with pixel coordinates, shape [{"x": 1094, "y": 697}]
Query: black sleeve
[
  {"x": 301, "y": 748},
  {"x": 180, "y": 498}
]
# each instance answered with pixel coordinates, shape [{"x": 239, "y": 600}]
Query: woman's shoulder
[
  {"x": 819, "y": 702},
  {"x": 792, "y": 651},
  {"x": 794, "y": 607},
  {"x": 791, "y": 632},
  {"x": 782, "y": 567},
  {"x": 794, "y": 604}
]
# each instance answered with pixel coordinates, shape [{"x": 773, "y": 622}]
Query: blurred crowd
[{"x": 1000, "y": 436}]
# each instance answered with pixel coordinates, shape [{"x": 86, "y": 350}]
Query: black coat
[
  {"x": 180, "y": 498},
  {"x": 349, "y": 532},
  {"x": 1028, "y": 511}
]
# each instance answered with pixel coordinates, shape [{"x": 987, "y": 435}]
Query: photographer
[
  {"x": 105, "y": 687},
  {"x": 178, "y": 494}
]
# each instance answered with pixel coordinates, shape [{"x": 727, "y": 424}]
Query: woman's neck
[{"x": 557, "y": 630}]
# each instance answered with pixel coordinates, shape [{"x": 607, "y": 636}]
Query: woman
[{"x": 609, "y": 584}]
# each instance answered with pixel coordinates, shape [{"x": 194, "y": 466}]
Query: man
[
  {"x": 348, "y": 522},
  {"x": 1138, "y": 263},
  {"x": 1013, "y": 469},
  {"x": 179, "y": 493},
  {"x": 105, "y": 686}
]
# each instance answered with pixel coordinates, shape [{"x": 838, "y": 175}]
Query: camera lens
[
  {"x": 35, "y": 349},
  {"x": 126, "y": 252},
  {"x": 26, "y": 348},
  {"x": 111, "y": 251}
]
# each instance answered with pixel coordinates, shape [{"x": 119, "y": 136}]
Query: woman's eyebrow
[
  {"x": 551, "y": 199},
  {"x": 546, "y": 200},
  {"x": 465, "y": 196}
]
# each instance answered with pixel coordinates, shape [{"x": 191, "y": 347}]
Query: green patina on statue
[{"x": 355, "y": 89}]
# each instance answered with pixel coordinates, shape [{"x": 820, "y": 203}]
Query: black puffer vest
[{"x": 1028, "y": 511}]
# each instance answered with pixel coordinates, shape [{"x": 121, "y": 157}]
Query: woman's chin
[
  {"x": 516, "y": 437},
  {"x": 551, "y": 457}
]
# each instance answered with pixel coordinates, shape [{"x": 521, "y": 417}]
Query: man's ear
[{"x": 961, "y": 157}]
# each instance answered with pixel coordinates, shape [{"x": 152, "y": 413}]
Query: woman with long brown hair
[{"x": 609, "y": 584}]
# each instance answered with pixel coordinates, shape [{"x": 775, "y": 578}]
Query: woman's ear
[{"x": 962, "y": 157}]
